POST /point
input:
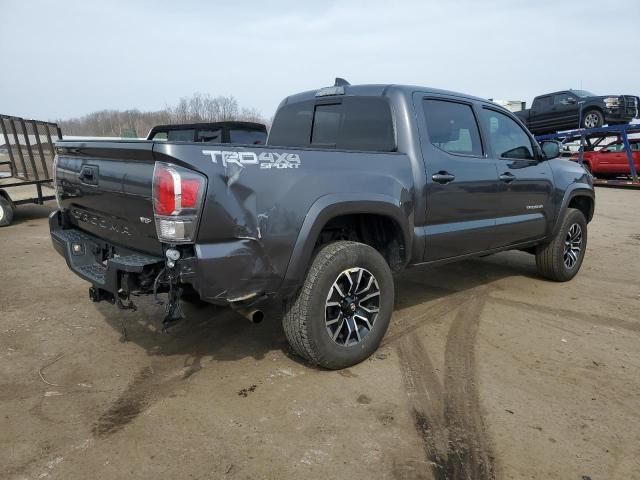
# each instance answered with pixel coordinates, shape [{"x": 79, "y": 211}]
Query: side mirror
[{"x": 550, "y": 148}]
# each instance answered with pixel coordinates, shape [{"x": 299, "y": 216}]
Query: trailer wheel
[
  {"x": 6, "y": 211},
  {"x": 592, "y": 119}
]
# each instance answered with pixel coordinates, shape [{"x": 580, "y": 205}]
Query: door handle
[
  {"x": 443, "y": 177},
  {"x": 88, "y": 175},
  {"x": 507, "y": 177}
]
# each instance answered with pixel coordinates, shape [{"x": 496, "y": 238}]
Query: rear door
[
  {"x": 461, "y": 180},
  {"x": 540, "y": 113},
  {"x": 523, "y": 200}
]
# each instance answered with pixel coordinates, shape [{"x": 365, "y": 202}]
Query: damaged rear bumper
[
  {"x": 111, "y": 269},
  {"x": 232, "y": 272}
]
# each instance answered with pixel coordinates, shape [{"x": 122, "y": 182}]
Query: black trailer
[{"x": 27, "y": 151}]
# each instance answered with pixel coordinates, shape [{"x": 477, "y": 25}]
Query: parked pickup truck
[
  {"x": 355, "y": 183},
  {"x": 213, "y": 132},
  {"x": 571, "y": 109},
  {"x": 611, "y": 160}
]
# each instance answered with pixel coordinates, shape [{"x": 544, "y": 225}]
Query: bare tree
[{"x": 199, "y": 107}]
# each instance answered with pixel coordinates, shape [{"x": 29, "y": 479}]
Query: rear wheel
[
  {"x": 6, "y": 211},
  {"x": 343, "y": 309},
  {"x": 592, "y": 119},
  {"x": 561, "y": 258}
]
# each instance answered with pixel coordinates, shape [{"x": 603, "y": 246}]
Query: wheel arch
[
  {"x": 331, "y": 208},
  {"x": 579, "y": 197}
]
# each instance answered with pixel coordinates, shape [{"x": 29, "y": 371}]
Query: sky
[{"x": 66, "y": 58}]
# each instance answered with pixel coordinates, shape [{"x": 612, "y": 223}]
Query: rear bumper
[
  {"x": 126, "y": 270},
  {"x": 222, "y": 273}
]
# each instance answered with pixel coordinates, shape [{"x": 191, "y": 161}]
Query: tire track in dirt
[
  {"x": 147, "y": 387},
  {"x": 404, "y": 325},
  {"x": 448, "y": 417},
  {"x": 602, "y": 320}
]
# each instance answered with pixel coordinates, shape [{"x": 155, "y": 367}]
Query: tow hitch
[{"x": 99, "y": 295}]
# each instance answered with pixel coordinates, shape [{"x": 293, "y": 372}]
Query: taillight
[{"x": 177, "y": 201}]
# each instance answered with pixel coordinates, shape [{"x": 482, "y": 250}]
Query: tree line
[{"x": 135, "y": 123}]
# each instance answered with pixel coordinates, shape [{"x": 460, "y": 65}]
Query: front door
[
  {"x": 461, "y": 180},
  {"x": 524, "y": 210},
  {"x": 565, "y": 110}
]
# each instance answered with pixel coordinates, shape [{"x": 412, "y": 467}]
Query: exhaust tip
[
  {"x": 257, "y": 316},
  {"x": 254, "y": 316}
]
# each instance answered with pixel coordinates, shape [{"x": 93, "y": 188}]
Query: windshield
[{"x": 583, "y": 93}]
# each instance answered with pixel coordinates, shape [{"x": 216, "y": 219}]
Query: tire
[
  {"x": 323, "y": 321},
  {"x": 553, "y": 259},
  {"x": 6, "y": 212},
  {"x": 592, "y": 119}
]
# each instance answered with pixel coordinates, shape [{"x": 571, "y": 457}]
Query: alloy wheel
[
  {"x": 591, "y": 120},
  {"x": 352, "y": 306},
  {"x": 572, "y": 246}
]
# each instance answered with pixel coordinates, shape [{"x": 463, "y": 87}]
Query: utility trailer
[
  {"x": 592, "y": 138},
  {"x": 27, "y": 151}
]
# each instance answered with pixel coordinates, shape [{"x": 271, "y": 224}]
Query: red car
[{"x": 612, "y": 159}]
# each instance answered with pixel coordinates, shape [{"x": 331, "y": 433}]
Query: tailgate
[{"x": 106, "y": 189}]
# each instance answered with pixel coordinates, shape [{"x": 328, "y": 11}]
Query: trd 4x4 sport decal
[{"x": 264, "y": 159}]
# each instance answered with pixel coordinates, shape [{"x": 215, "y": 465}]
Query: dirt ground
[{"x": 486, "y": 372}]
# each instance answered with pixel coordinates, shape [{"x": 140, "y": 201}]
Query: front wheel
[
  {"x": 343, "y": 309},
  {"x": 592, "y": 119},
  {"x": 561, "y": 258}
]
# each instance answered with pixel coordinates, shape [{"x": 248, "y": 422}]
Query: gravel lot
[{"x": 486, "y": 372}]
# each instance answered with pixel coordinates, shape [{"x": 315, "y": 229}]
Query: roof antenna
[{"x": 340, "y": 82}]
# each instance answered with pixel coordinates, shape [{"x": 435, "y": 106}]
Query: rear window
[
  {"x": 247, "y": 137},
  {"x": 349, "y": 123},
  {"x": 181, "y": 135},
  {"x": 542, "y": 102},
  {"x": 209, "y": 136}
]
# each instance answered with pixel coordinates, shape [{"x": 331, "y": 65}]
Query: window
[
  {"x": 248, "y": 137},
  {"x": 326, "y": 125},
  {"x": 159, "y": 136},
  {"x": 209, "y": 136},
  {"x": 349, "y": 123},
  {"x": 614, "y": 147},
  {"x": 563, "y": 99},
  {"x": 452, "y": 127},
  {"x": 543, "y": 102},
  {"x": 180, "y": 135},
  {"x": 292, "y": 125},
  {"x": 506, "y": 137},
  {"x": 583, "y": 93}
]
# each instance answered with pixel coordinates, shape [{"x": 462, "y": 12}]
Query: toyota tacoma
[{"x": 355, "y": 183}]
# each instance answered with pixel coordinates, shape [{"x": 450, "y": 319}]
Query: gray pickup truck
[{"x": 355, "y": 183}]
